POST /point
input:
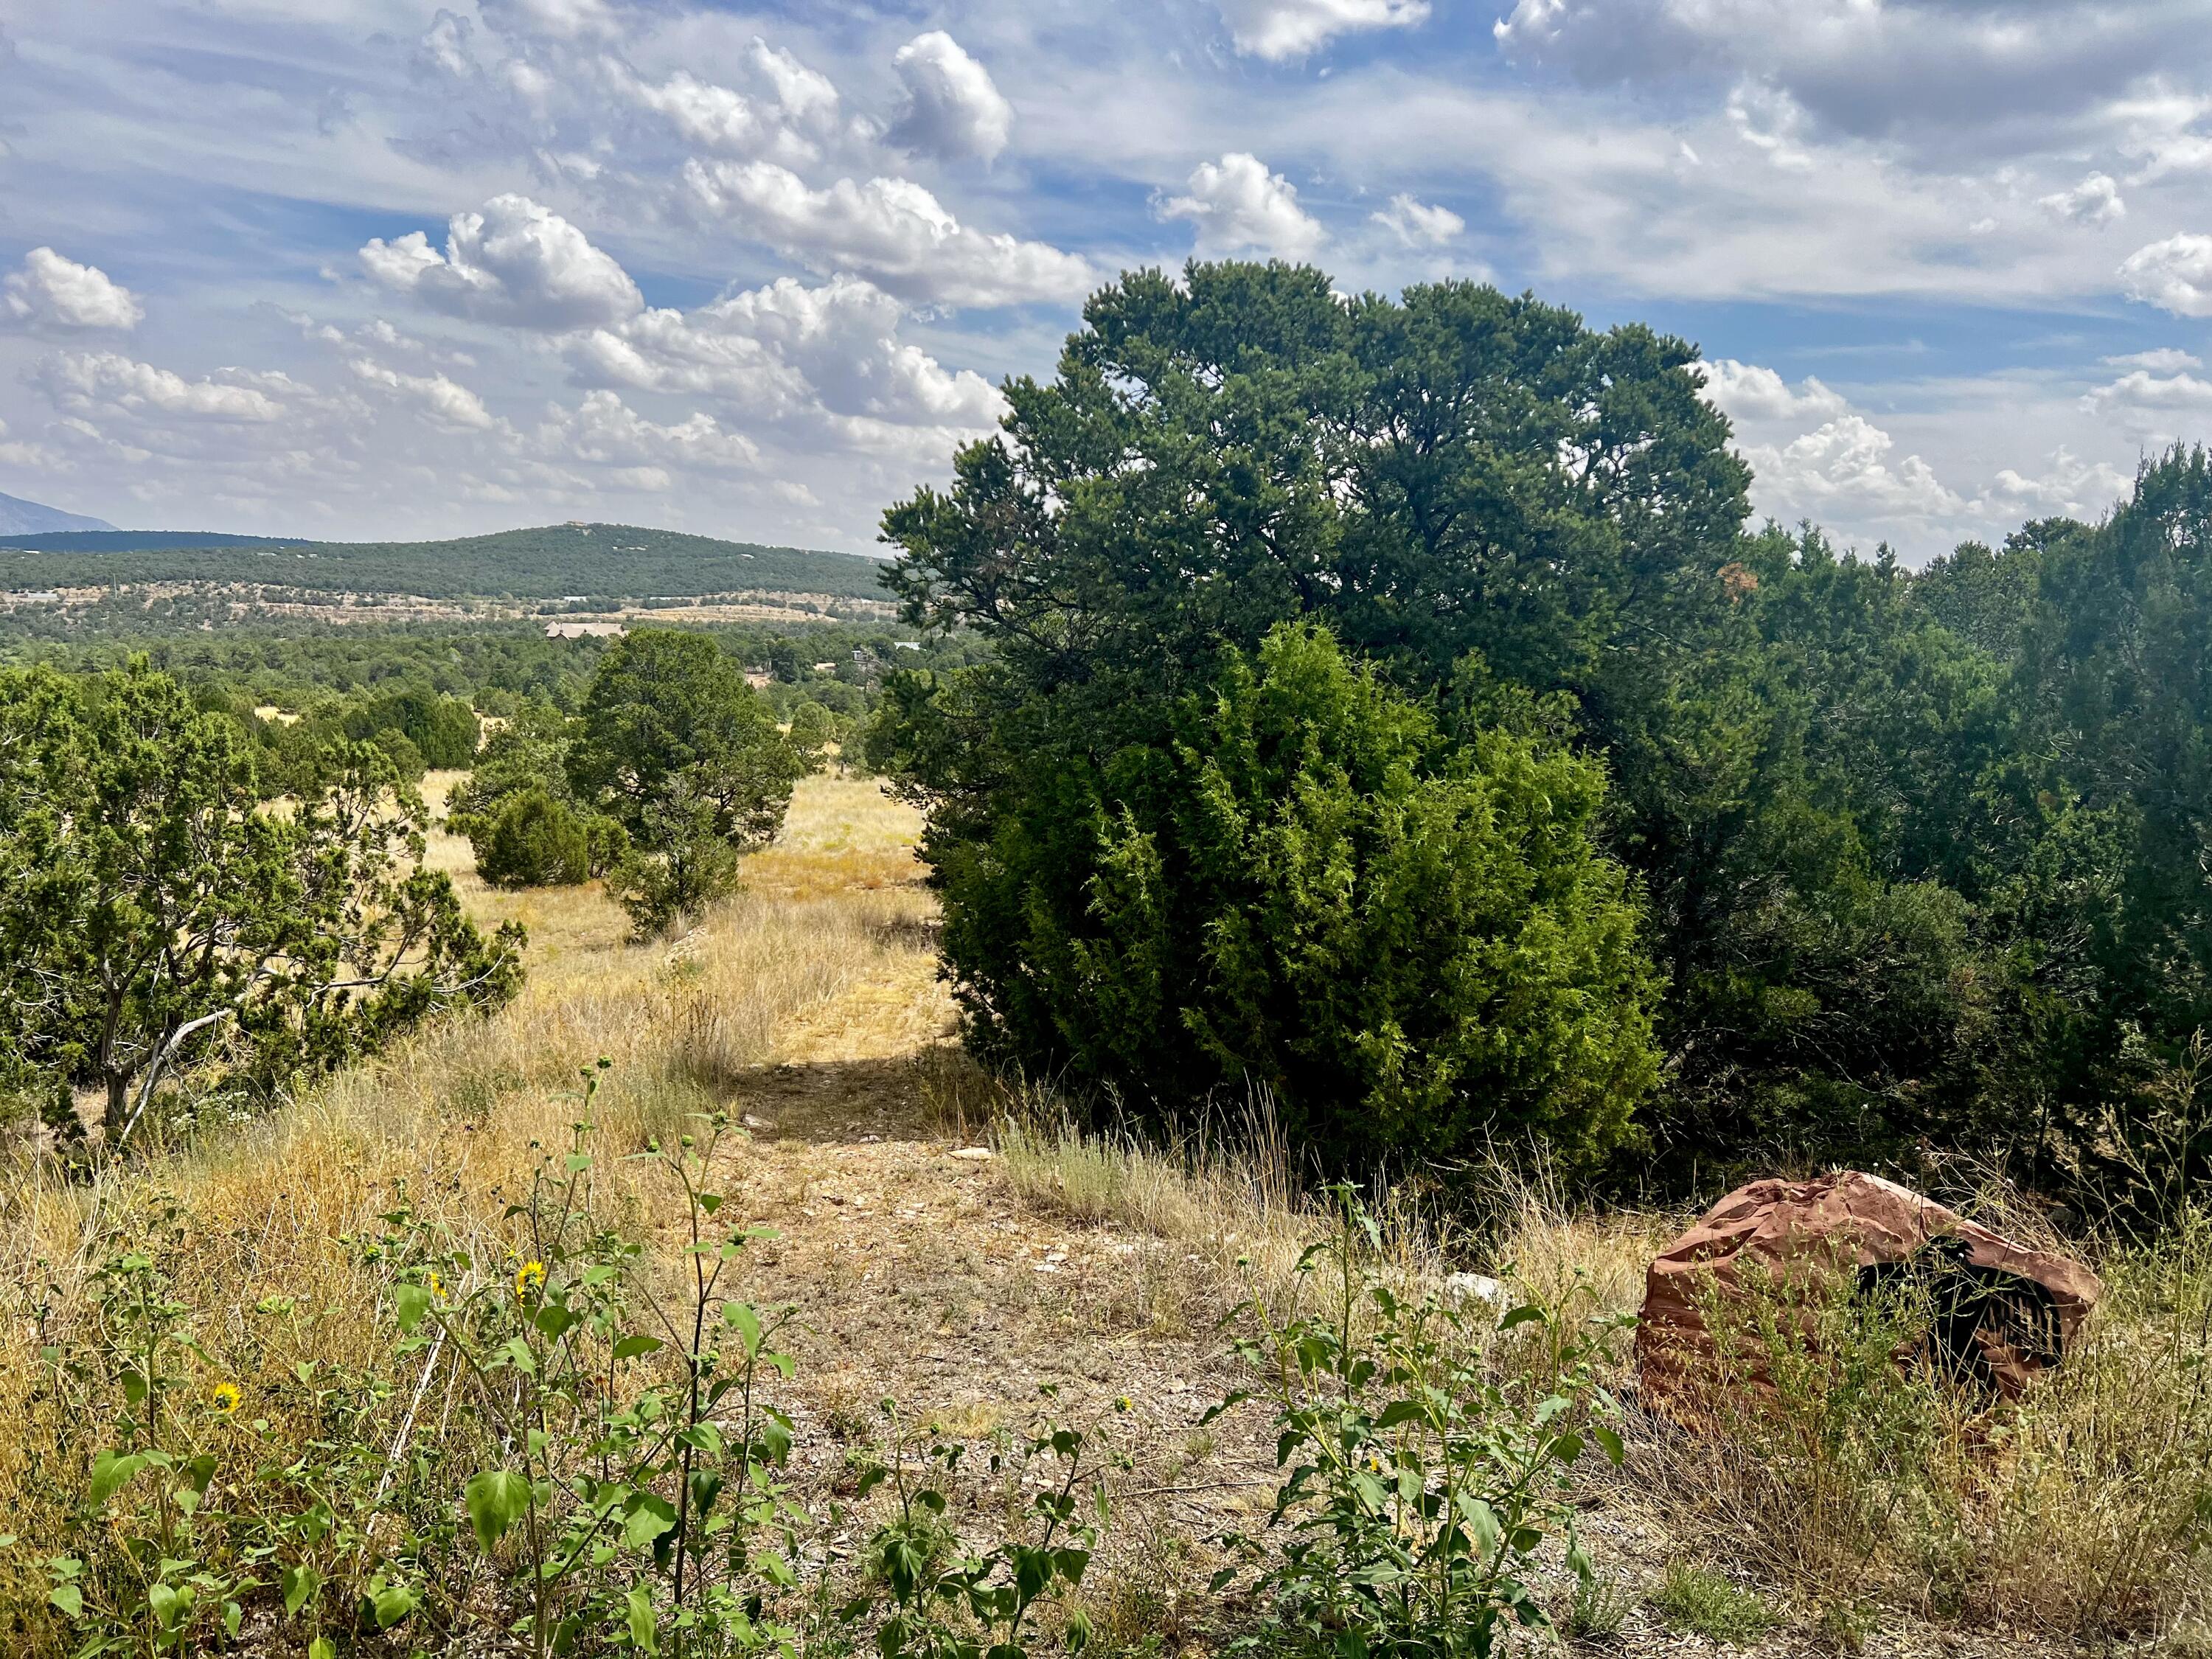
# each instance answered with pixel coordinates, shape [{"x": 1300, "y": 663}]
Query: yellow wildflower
[
  {"x": 224, "y": 1398},
  {"x": 437, "y": 1287},
  {"x": 529, "y": 1277}
]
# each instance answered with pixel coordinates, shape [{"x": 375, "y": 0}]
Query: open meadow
[{"x": 953, "y": 1243}]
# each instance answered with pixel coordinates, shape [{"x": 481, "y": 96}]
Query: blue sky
[{"x": 371, "y": 269}]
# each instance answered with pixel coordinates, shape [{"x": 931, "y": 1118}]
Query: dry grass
[
  {"x": 1101, "y": 1261},
  {"x": 453, "y": 1120}
]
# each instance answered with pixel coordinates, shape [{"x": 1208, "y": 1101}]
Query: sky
[{"x": 370, "y": 269}]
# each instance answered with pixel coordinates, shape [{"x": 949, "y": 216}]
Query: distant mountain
[
  {"x": 21, "y": 518},
  {"x": 137, "y": 541},
  {"x": 573, "y": 564}
]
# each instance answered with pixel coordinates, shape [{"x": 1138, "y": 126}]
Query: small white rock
[
  {"x": 1476, "y": 1287},
  {"x": 973, "y": 1154}
]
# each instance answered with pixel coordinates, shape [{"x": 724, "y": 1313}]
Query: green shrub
[
  {"x": 813, "y": 728},
  {"x": 535, "y": 842},
  {"x": 399, "y": 749},
  {"x": 681, "y": 868},
  {"x": 1303, "y": 883},
  {"x": 1420, "y": 1486},
  {"x": 1700, "y": 1601}
]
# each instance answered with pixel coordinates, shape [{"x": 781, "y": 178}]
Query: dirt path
[{"x": 918, "y": 1273}]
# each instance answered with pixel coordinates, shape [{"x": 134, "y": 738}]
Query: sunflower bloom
[
  {"x": 224, "y": 1399},
  {"x": 529, "y": 1277}
]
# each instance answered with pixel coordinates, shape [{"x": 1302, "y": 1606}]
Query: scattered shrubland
[
  {"x": 1916, "y": 861},
  {"x": 1401, "y": 835}
]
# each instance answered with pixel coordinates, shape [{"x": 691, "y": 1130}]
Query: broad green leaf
[
  {"x": 393, "y": 1603},
  {"x": 650, "y": 1516},
  {"x": 410, "y": 1303},
  {"x": 740, "y": 1317},
  {"x": 496, "y": 1499},
  {"x": 111, "y": 1474},
  {"x": 299, "y": 1585},
  {"x": 69, "y": 1598},
  {"x": 644, "y": 1629},
  {"x": 631, "y": 1346}
]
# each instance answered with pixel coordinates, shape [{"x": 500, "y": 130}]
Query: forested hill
[
  {"x": 553, "y": 561},
  {"x": 139, "y": 540}
]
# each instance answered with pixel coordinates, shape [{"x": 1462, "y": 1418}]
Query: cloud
[
  {"x": 83, "y": 381},
  {"x": 1934, "y": 80},
  {"x": 785, "y": 350},
  {"x": 2174, "y": 275},
  {"x": 2095, "y": 201},
  {"x": 1748, "y": 391},
  {"x": 446, "y": 402},
  {"x": 50, "y": 292},
  {"x": 2068, "y": 486},
  {"x": 1420, "y": 226},
  {"x": 556, "y": 19},
  {"x": 2144, "y": 391},
  {"x": 604, "y": 431},
  {"x": 953, "y": 109},
  {"x": 794, "y": 113},
  {"x": 514, "y": 263},
  {"x": 892, "y": 230},
  {"x": 1844, "y": 468},
  {"x": 1279, "y": 29},
  {"x": 1239, "y": 207},
  {"x": 2162, "y": 361}
]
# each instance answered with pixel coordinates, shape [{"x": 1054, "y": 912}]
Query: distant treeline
[
  {"x": 490, "y": 665},
  {"x": 615, "y": 562},
  {"x": 140, "y": 541}
]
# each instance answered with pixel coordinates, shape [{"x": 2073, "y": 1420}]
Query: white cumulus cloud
[
  {"x": 49, "y": 291},
  {"x": 1419, "y": 225},
  {"x": 1749, "y": 391},
  {"x": 446, "y": 402},
  {"x": 2095, "y": 201},
  {"x": 952, "y": 107},
  {"x": 515, "y": 263},
  {"x": 604, "y": 431},
  {"x": 82, "y": 380},
  {"x": 2174, "y": 275},
  {"x": 1279, "y": 29},
  {"x": 891, "y": 230},
  {"x": 793, "y": 112},
  {"x": 1240, "y": 207},
  {"x": 785, "y": 350},
  {"x": 2067, "y": 485},
  {"x": 1843, "y": 469}
]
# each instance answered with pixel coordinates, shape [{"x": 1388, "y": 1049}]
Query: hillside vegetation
[
  {"x": 1134, "y": 1121},
  {"x": 617, "y": 562},
  {"x": 1391, "y": 704},
  {"x": 263, "y": 1275}
]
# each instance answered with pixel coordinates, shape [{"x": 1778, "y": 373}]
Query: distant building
[
  {"x": 906, "y": 645},
  {"x": 583, "y": 630}
]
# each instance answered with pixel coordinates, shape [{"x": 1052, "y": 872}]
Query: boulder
[{"x": 1999, "y": 1312}]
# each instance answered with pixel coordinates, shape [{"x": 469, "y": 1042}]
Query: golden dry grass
[
  {"x": 1101, "y": 1263},
  {"x": 453, "y": 1120}
]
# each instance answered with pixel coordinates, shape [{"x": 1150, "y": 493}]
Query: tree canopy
[
  {"x": 1918, "y": 860},
  {"x": 157, "y": 912}
]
